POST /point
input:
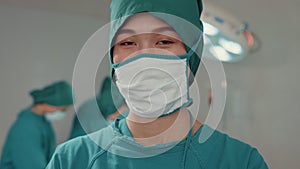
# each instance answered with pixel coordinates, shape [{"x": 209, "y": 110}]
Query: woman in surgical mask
[
  {"x": 153, "y": 60},
  {"x": 30, "y": 142}
]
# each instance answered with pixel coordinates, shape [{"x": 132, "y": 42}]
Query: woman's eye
[
  {"x": 127, "y": 43},
  {"x": 165, "y": 42}
]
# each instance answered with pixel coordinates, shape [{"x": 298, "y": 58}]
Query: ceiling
[
  {"x": 255, "y": 11},
  {"x": 95, "y": 8}
]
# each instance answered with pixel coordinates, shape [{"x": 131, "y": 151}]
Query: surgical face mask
[
  {"x": 154, "y": 85},
  {"x": 55, "y": 116}
]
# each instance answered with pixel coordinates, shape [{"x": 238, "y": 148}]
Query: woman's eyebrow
[{"x": 156, "y": 30}]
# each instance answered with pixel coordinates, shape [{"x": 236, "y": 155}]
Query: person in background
[
  {"x": 153, "y": 64},
  {"x": 110, "y": 103},
  {"x": 30, "y": 142}
]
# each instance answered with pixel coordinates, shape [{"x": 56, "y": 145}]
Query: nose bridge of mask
[
  {"x": 159, "y": 58},
  {"x": 152, "y": 62}
]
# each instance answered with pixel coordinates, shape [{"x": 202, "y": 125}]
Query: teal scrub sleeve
[
  {"x": 77, "y": 129},
  {"x": 55, "y": 162},
  {"x": 90, "y": 119},
  {"x": 256, "y": 161},
  {"x": 109, "y": 98},
  {"x": 27, "y": 150},
  {"x": 72, "y": 154}
]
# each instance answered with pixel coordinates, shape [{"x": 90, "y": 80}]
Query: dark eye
[
  {"x": 165, "y": 42},
  {"x": 127, "y": 43}
]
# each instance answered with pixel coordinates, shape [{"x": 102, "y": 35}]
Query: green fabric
[
  {"x": 189, "y": 10},
  {"x": 56, "y": 94},
  {"x": 219, "y": 151},
  {"x": 109, "y": 98},
  {"x": 88, "y": 113},
  {"x": 30, "y": 143},
  {"x": 76, "y": 129}
]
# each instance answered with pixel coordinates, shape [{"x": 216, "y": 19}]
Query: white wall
[{"x": 36, "y": 48}]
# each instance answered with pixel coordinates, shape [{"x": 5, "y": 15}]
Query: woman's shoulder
[
  {"x": 220, "y": 148},
  {"x": 78, "y": 152},
  {"x": 90, "y": 142}
]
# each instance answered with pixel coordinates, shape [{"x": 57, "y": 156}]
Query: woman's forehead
[{"x": 145, "y": 23}]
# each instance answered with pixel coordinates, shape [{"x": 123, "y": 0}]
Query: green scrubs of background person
[
  {"x": 109, "y": 104},
  {"x": 30, "y": 142},
  {"x": 146, "y": 42}
]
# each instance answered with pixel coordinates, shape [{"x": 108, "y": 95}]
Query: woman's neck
[{"x": 170, "y": 128}]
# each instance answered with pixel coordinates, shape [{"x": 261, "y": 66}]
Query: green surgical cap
[
  {"x": 56, "y": 94},
  {"x": 187, "y": 10},
  {"x": 109, "y": 98}
]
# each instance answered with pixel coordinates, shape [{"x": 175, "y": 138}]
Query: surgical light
[
  {"x": 210, "y": 29},
  {"x": 229, "y": 38},
  {"x": 220, "y": 53},
  {"x": 230, "y": 46}
]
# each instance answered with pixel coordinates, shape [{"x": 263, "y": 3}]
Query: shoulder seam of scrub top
[
  {"x": 212, "y": 140},
  {"x": 28, "y": 112},
  {"x": 201, "y": 161},
  {"x": 19, "y": 123},
  {"x": 258, "y": 157},
  {"x": 95, "y": 157},
  {"x": 105, "y": 149}
]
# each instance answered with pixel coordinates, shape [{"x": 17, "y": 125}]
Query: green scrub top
[
  {"x": 218, "y": 152},
  {"x": 94, "y": 111},
  {"x": 90, "y": 117},
  {"x": 30, "y": 143}
]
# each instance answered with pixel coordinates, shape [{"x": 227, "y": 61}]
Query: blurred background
[{"x": 40, "y": 41}]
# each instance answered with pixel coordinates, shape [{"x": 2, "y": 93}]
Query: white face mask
[
  {"x": 55, "y": 116},
  {"x": 154, "y": 85}
]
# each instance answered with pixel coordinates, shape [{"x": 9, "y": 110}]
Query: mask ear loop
[{"x": 188, "y": 140}]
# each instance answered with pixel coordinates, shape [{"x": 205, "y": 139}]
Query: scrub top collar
[
  {"x": 120, "y": 126},
  {"x": 123, "y": 134},
  {"x": 116, "y": 139},
  {"x": 28, "y": 113}
]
